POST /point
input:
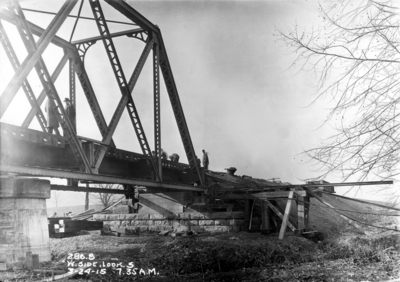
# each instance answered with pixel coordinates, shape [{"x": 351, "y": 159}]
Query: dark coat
[
  {"x": 51, "y": 116},
  {"x": 70, "y": 111},
  {"x": 205, "y": 159}
]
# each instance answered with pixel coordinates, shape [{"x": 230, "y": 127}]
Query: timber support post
[
  {"x": 248, "y": 208},
  {"x": 303, "y": 208},
  {"x": 267, "y": 225}
]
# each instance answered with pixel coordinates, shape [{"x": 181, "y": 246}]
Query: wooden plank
[
  {"x": 247, "y": 211},
  {"x": 251, "y": 214},
  {"x": 279, "y": 213},
  {"x": 286, "y": 215},
  {"x": 290, "y": 220},
  {"x": 83, "y": 213},
  {"x": 263, "y": 195},
  {"x": 113, "y": 204}
]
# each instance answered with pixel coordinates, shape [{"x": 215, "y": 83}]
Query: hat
[{"x": 67, "y": 100}]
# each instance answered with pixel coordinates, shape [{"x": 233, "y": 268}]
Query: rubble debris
[{"x": 164, "y": 232}]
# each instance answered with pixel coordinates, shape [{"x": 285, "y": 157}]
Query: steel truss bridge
[{"x": 70, "y": 156}]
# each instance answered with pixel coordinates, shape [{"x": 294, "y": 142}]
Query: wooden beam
[
  {"x": 89, "y": 190},
  {"x": 290, "y": 186},
  {"x": 279, "y": 213},
  {"x": 49, "y": 172},
  {"x": 286, "y": 215},
  {"x": 247, "y": 214},
  {"x": 263, "y": 195}
]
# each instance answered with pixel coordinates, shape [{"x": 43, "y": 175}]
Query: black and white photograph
[{"x": 199, "y": 140}]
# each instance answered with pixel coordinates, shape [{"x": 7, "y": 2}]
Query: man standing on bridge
[
  {"x": 205, "y": 160},
  {"x": 52, "y": 122},
  {"x": 70, "y": 111}
]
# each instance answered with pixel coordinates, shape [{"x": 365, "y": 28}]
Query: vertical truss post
[
  {"x": 44, "y": 76},
  {"x": 123, "y": 85},
  {"x": 42, "y": 94},
  {"x": 145, "y": 24},
  {"x": 12, "y": 56},
  {"x": 44, "y": 40},
  {"x": 157, "y": 107},
  {"x": 87, "y": 88},
  {"x": 72, "y": 91}
]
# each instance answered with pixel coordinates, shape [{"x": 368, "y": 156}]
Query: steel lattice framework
[{"x": 89, "y": 154}]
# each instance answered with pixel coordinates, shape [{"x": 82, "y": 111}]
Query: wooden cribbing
[{"x": 279, "y": 213}]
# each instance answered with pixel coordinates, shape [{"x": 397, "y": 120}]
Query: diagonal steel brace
[
  {"x": 12, "y": 56},
  {"x": 44, "y": 76},
  {"x": 124, "y": 86},
  {"x": 26, "y": 67}
]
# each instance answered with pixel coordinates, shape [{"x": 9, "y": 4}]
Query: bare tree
[
  {"x": 55, "y": 196},
  {"x": 355, "y": 55},
  {"x": 106, "y": 199}
]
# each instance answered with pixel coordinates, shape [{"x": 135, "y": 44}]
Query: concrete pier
[{"x": 23, "y": 220}]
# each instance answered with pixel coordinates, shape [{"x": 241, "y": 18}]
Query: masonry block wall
[
  {"x": 180, "y": 222},
  {"x": 169, "y": 203}
]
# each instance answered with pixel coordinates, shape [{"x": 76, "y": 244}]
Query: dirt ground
[{"x": 340, "y": 252}]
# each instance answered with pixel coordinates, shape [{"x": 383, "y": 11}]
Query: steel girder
[
  {"x": 89, "y": 190},
  {"x": 42, "y": 94},
  {"x": 45, "y": 78},
  {"x": 141, "y": 21},
  {"x": 157, "y": 106},
  {"x": 38, "y": 31},
  {"x": 125, "y": 88},
  {"x": 70, "y": 53},
  {"x": 75, "y": 52},
  {"x": 12, "y": 56},
  {"x": 126, "y": 101},
  {"x": 29, "y": 42},
  {"x": 137, "y": 33},
  {"x": 89, "y": 93},
  {"x": 12, "y": 88},
  {"x": 72, "y": 92}
]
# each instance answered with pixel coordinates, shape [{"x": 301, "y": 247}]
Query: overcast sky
[{"x": 242, "y": 102}]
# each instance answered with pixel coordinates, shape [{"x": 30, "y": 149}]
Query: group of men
[
  {"x": 52, "y": 122},
  {"x": 175, "y": 158}
]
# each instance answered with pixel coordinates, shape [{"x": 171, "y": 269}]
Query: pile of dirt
[
  {"x": 243, "y": 256},
  {"x": 343, "y": 253}
]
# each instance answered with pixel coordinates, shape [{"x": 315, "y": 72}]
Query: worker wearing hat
[{"x": 70, "y": 111}]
